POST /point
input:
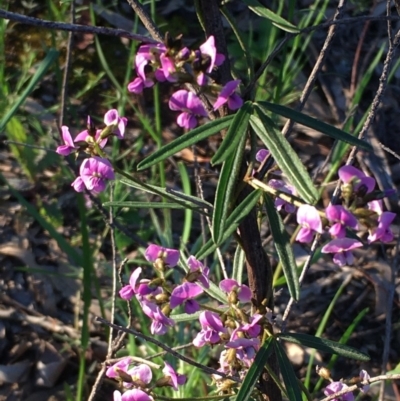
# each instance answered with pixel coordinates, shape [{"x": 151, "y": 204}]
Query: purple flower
[
  {"x": 246, "y": 348},
  {"x": 175, "y": 379},
  {"x": 185, "y": 293},
  {"x": 137, "y": 85},
  {"x": 128, "y": 291},
  {"x": 262, "y": 154},
  {"x": 112, "y": 118},
  {"x": 342, "y": 218},
  {"x": 228, "y": 95},
  {"x": 208, "y": 48},
  {"x": 94, "y": 173},
  {"x": 198, "y": 272},
  {"x": 141, "y": 374},
  {"x": 242, "y": 291},
  {"x": 190, "y": 105},
  {"x": 349, "y": 174},
  {"x": 364, "y": 376},
  {"x": 335, "y": 387},
  {"x": 211, "y": 328},
  {"x": 168, "y": 256},
  {"x": 168, "y": 68},
  {"x": 341, "y": 248},
  {"x": 159, "y": 320},
  {"x": 252, "y": 328},
  {"x": 383, "y": 231},
  {"x": 121, "y": 365},
  {"x": 280, "y": 203},
  {"x": 310, "y": 221},
  {"x": 132, "y": 395},
  {"x": 69, "y": 146}
]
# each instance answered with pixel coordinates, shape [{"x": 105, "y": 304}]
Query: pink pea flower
[
  {"x": 198, "y": 272},
  {"x": 209, "y": 49},
  {"x": 140, "y": 288},
  {"x": 141, "y": 374},
  {"x": 169, "y": 256},
  {"x": 184, "y": 294},
  {"x": 341, "y": 218},
  {"x": 335, "y": 387},
  {"x": 243, "y": 291},
  {"x": 168, "y": 68},
  {"x": 262, "y": 154},
  {"x": 341, "y": 248},
  {"x": 86, "y": 137},
  {"x": 122, "y": 365},
  {"x": 382, "y": 231},
  {"x": 175, "y": 379},
  {"x": 280, "y": 203},
  {"x": 112, "y": 118},
  {"x": 364, "y": 376},
  {"x": 211, "y": 328},
  {"x": 160, "y": 322},
  {"x": 252, "y": 329},
  {"x": 349, "y": 174},
  {"x": 94, "y": 173},
  {"x": 69, "y": 145},
  {"x": 228, "y": 95},
  {"x": 246, "y": 348},
  {"x": 310, "y": 221},
  {"x": 132, "y": 395},
  {"x": 190, "y": 105}
]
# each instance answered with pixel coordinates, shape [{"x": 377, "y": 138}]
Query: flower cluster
[
  {"x": 96, "y": 170},
  {"x": 135, "y": 381},
  {"x": 360, "y": 206},
  {"x": 176, "y": 64},
  {"x": 230, "y": 325}
]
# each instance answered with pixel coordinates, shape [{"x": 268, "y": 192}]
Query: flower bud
[{"x": 323, "y": 372}]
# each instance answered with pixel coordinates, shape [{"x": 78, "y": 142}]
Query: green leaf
[
  {"x": 227, "y": 183},
  {"x": 287, "y": 372},
  {"x": 237, "y": 129},
  {"x": 246, "y": 389},
  {"x": 276, "y": 19},
  {"x": 139, "y": 205},
  {"x": 284, "y": 155},
  {"x": 238, "y": 264},
  {"x": 185, "y": 141},
  {"x": 46, "y": 63},
  {"x": 318, "y": 125},
  {"x": 283, "y": 247},
  {"x": 187, "y": 201},
  {"x": 232, "y": 223},
  {"x": 324, "y": 345}
]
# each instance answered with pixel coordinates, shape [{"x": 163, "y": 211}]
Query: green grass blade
[
  {"x": 237, "y": 129},
  {"x": 287, "y": 372},
  {"x": 227, "y": 183},
  {"x": 313, "y": 123},
  {"x": 186, "y": 185},
  {"x": 276, "y": 19},
  {"x": 284, "y": 155},
  {"x": 232, "y": 223},
  {"x": 324, "y": 345},
  {"x": 46, "y": 63},
  {"x": 185, "y": 141},
  {"x": 238, "y": 264},
  {"x": 246, "y": 389},
  {"x": 283, "y": 247},
  {"x": 145, "y": 205}
]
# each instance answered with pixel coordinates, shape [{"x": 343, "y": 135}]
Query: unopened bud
[
  {"x": 323, "y": 372},
  {"x": 166, "y": 310},
  {"x": 162, "y": 298}
]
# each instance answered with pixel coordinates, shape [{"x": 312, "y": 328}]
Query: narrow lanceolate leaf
[
  {"x": 324, "y": 345},
  {"x": 141, "y": 205},
  {"x": 227, "y": 183},
  {"x": 318, "y": 125},
  {"x": 237, "y": 129},
  {"x": 188, "y": 201},
  {"x": 283, "y": 247},
  {"x": 276, "y": 19},
  {"x": 232, "y": 223},
  {"x": 287, "y": 372},
  {"x": 284, "y": 155},
  {"x": 246, "y": 389},
  {"x": 186, "y": 140},
  {"x": 46, "y": 63},
  {"x": 238, "y": 264}
]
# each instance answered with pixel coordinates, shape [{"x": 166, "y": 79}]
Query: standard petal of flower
[
  {"x": 308, "y": 217},
  {"x": 187, "y": 120},
  {"x": 183, "y": 292},
  {"x": 178, "y": 100},
  {"x": 142, "y": 373},
  {"x": 78, "y": 184},
  {"x": 262, "y": 154},
  {"x": 228, "y": 284},
  {"x": 235, "y": 102}
]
